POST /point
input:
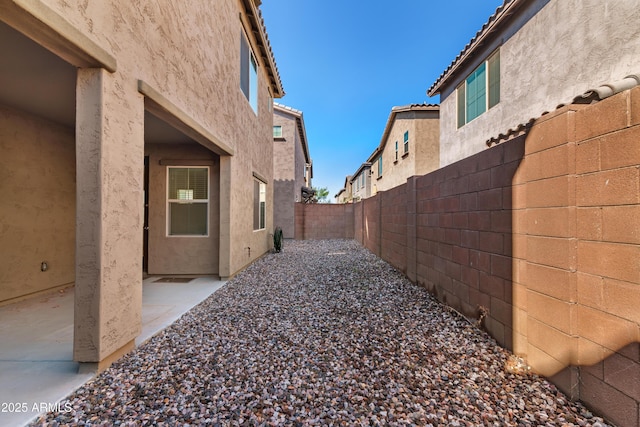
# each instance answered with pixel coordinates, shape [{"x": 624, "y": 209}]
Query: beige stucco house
[
  {"x": 134, "y": 136},
  {"x": 361, "y": 182},
  {"x": 345, "y": 195},
  {"x": 292, "y": 166},
  {"x": 409, "y": 146},
  {"x": 531, "y": 56}
]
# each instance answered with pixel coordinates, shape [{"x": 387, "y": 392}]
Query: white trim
[{"x": 168, "y": 202}]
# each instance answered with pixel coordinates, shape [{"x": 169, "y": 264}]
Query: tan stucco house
[
  {"x": 409, "y": 146},
  {"x": 292, "y": 166},
  {"x": 531, "y": 56},
  {"x": 134, "y": 136},
  {"x": 361, "y": 182},
  {"x": 345, "y": 195}
]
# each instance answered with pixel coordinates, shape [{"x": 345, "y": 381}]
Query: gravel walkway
[{"x": 324, "y": 333}]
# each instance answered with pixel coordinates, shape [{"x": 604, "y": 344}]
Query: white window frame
[
  {"x": 492, "y": 80},
  {"x": 191, "y": 200},
  {"x": 262, "y": 209},
  {"x": 406, "y": 143},
  {"x": 250, "y": 87},
  {"x": 279, "y": 134}
]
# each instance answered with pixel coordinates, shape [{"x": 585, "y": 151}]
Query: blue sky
[{"x": 346, "y": 63}]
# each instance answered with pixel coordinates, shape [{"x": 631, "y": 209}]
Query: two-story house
[
  {"x": 361, "y": 182},
  {"x": 292, "y": 166},
  {"x": 345, "y": 195},
  {"x": 133, "y": 137},
  {"x": 409, "y": 146},
  {"x": 531, "y": 56}
]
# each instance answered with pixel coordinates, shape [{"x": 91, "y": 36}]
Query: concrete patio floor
[{"x": 36, "y": 343}]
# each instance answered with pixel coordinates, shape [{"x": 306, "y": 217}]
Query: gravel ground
[{"x": 324, "y": 333}]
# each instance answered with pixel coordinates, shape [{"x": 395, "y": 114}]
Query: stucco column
[
  {"x": 109, "y": 214},
  {"x": 225, "y": 217}
]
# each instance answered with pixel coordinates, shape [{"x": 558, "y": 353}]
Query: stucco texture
[
  {"x": 181, "y": 254},
  {"x": 566, "y": 48},
  {"x": 423, "y": 155},
  {"x": 189, "y": 54},
  {"x": 37, "y": 213},
  {"x": 289, "y": 169}
]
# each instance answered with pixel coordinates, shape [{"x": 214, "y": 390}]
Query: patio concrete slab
[{"x": 36, "y": 343}]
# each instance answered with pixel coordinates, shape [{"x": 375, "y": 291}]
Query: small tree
[{"x": 322, "y": 194}]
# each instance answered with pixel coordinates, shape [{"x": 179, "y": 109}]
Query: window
[
  {"x": 406, "y": 142},
  {"x": 248, "y": 73},
  {"x": 277, "y": 131},
  {"x": 396, "y": 150},
  {"x": 480, "y": 91},
  {"x": 187, "y": 201},
  {"x": 380, "y": 165},
  {"x": 259, "y": 204}
]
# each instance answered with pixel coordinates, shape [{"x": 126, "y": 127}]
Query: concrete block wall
[
  {"x": 464, "y": 236},
  {"x": 323, "y": 221},
  {"x": 541, "y": 233}
]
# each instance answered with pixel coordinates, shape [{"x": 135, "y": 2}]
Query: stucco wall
[
  {"x": 427, "y": 136},
  {"x": 423, "y": 156},
  {"x": 283, "y": 207},
  {"x": 568, "y": 47},
  {"x": 189, "y": 53},
  {"x": 37, "y": 213},
  {"x": 299, "y": 169},
  {"x": 283, "y": 148},
  {"x": 360, "y": 192},
  {"x": 286, "y": 172},
  {"x": 181, "y": 254}
]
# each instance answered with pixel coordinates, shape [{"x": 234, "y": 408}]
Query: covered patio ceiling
[{"x": 34, "y": 80}]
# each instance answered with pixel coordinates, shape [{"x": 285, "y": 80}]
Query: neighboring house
[
  {"x": 531, "y": 56},
  {"x": 292, "y": 166},
  {"x": 409, "y": 146},
  {"x": 133, "y": 137},
  {"x": 345, "y": 195},
  {"x": 361, "y": 182}
]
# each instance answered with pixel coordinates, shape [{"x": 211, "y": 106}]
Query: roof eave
[
  {"x": 260, "y": 32},
  {"x": 392, "y": 118},
  {"x": 494, "y": 24}
]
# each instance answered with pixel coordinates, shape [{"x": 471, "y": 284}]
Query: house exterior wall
[
  {"x": 594, "y": 42},
  {"x": 423, "y": 155},
  {"x": 427, "y": 146},
  {"x": 37, "y": 213},
  {"x": 181, "y": 254},
  {"x": 284, "y": 164},
  {"x": 361, "y": 190},
  {"x": 290, "y": 170},
  {"x": 299, "y": 169},
  {"x": 199, "y": 71},
  {"x": 189, "y": 54},
  {"x": 345, "y": 195}
]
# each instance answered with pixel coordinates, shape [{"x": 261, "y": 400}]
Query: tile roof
[
  {"x": 494, "y": 23},
  {"x": 607, "y": 89},
  {"x": 392, "y": 117},
  {"x": 260, "y": 31},
  {"x": 591, "y": 96},
  {"x": 301, "y": 127}
]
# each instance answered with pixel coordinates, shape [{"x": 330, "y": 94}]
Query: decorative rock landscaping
[{"x": 324, "y": 333}]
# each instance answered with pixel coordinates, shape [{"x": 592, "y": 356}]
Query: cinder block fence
[{"x": 542, "y": 232}]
